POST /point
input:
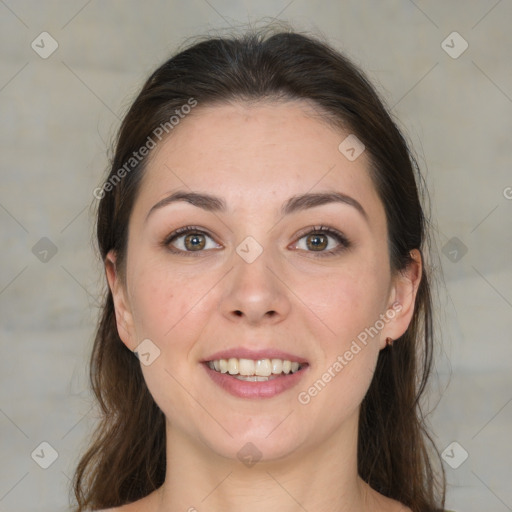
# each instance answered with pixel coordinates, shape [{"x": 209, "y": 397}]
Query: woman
[{"x": 263, "y": 241}]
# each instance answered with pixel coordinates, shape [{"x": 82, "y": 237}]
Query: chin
[{"x": 261, "y": 443}]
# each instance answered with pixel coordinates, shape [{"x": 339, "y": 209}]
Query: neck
[{"x": 320, "y": 478}]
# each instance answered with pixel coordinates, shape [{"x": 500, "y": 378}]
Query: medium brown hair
[{"x": 126, "y": 459}]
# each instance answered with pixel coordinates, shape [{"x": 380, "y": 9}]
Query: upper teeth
[{"x": 260, "y": 367}]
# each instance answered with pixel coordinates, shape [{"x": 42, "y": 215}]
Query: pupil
[
  {"x": 318, "y": 242},
  {"x": 194, "y": 242}
]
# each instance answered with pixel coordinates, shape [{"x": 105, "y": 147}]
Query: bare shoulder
[
  {"x": 398, "y": 507},
  {"x": 146, "y": 504},
  {"x": 386, "y": 504},
  {"x": 123, "y": 508},
  {"x": 131, "y": 507},
  {"x": 374, "y": 500}
]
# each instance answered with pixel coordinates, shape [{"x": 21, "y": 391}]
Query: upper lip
[{"x": 245, "y": 353}]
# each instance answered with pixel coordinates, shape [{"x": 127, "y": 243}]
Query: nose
[{"x": 255, "y": 293}]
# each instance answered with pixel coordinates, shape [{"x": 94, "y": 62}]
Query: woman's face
[{"x": 281, "y": 257}]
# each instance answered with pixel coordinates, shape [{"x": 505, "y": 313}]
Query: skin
[{"x": 255, "y": 157}]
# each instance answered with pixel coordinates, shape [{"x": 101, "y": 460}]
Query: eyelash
[
  {"x": 342, "y": 240},
  {"x": 178, "y": 234}
]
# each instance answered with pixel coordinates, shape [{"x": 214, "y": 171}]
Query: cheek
[
  {"x": 347, "y": 303},
  {"x": 344, "y": 301},
  {"x": 152, "y": 297},
  {"x": 342, "y": 375},
  {"x": 170, "y": 305},
  {"x": 171, "y": 308}
]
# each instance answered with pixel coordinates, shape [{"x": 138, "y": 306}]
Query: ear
[
  {"x": 124, "y": 318},
  {"x": 402, "y": 298}
]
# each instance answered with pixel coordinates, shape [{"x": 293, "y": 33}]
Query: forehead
[{"x": 250, "y": 152}]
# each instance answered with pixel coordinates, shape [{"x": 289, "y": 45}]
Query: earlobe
[
  {"x": 404, "y": 291},
  {"x": 124, "y": 319}
]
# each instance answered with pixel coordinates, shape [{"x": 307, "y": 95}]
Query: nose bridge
[{"x": 254, "y": 291}]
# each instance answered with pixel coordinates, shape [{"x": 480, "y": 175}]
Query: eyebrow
[
  {"x": 205, "y": 201},
  {"x": 311, "y": 200},
  {"x": 295, "y": 204}
]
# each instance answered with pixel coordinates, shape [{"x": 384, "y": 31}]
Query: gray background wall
[{"x": 58, "y": 115}]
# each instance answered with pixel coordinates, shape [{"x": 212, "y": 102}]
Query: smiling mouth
[{"x": 252, "y": 370}]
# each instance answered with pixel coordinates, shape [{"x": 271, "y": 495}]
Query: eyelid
[
  {"x": 343, "y": 241},
  {"x": 185, "y": 230},
  {"x": 320, "y": 229}
]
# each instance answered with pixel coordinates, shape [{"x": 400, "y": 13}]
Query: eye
[
  {"x": 322, "y": 240},
  {"x": 190, "y": 239}
]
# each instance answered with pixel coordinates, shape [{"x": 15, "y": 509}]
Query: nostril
[{"x": 270, "y": 314}]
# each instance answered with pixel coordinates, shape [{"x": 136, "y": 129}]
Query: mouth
[
  {"x": 255, "y": 378},
  {"x": 259, "y": 370}
]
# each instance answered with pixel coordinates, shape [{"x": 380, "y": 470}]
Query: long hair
[{"x": 126, "y": 458}]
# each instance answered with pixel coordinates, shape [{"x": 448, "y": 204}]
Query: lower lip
[{"x": 247, "y": 389}]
